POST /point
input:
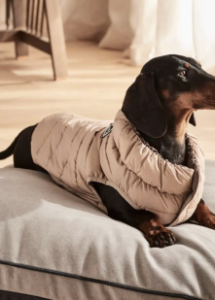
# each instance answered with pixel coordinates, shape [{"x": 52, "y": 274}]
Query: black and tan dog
[{"x": 160, "y": 104}]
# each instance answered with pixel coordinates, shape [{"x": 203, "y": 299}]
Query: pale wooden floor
[{"x": 96, "y": 86}]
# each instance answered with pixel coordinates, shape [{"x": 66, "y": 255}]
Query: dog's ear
[
  {"x": 192, "y": 120},
  {"x": 143, "y": 107}
]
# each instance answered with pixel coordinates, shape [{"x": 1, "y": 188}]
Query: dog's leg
[
  {"x": 156, "y": 234},
  {"x": 204, "y": 216},
  {"x": 22, "y": 151},
  {"x": 118, "y": 208}
]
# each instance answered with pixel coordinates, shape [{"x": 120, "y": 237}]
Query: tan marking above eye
[{"x": 186, "y": 65}]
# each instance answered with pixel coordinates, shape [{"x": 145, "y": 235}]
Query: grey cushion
[{"x": 57, "y": 246}]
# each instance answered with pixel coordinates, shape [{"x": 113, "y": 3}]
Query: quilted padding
[{"x": 76, "y": 151}]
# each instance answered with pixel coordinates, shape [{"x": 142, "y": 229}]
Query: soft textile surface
[
  {"x": 146, "y": 28},
  {"x": 150, "y": 28},
  {"x": 57, "y": 246}
]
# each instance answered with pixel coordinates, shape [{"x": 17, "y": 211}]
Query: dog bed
[{"x": 56, "y": 246}]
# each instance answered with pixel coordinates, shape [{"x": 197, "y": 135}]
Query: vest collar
[{"x": 131, "y": 149}]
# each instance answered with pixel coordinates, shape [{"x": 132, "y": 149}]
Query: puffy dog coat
[{"x": 77, "y": 151}]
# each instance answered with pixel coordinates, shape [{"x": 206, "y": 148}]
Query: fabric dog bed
[
  {"x": 57, "y": 246},
  {"x": 77, "y": 151}
]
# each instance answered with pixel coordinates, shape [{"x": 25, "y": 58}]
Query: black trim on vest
[{"x": 109, "y": 283}]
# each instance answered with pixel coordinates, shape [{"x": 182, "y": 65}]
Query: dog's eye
[{"x": 182, "y": 73}]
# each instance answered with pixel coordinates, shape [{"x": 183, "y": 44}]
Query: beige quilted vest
[{"x": 76, "y": 151}]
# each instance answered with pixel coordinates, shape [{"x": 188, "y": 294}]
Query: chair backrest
[{"x": 29, "y": 14}]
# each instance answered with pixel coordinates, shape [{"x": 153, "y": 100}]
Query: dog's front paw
[
  {"x": 160, "y": 237},
  {"x": 208, "y": 220}
]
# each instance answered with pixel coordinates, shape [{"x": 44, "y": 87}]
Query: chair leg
[
  {"x": 21, "y": 50},
  {"x": 56, "y": 39},
  {"x": 19, "y": 21}
]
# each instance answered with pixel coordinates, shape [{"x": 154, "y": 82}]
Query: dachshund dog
[{"x": 160, "y": 104}]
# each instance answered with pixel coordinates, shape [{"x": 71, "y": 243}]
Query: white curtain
[
  {"x": 85, "y": 19},
  {"x": 145, "y": 28}
]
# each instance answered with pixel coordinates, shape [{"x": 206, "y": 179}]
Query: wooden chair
[{"x": 25, "y": 21}]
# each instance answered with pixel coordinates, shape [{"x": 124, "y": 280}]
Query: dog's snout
[{"x": 208, "y": 93}]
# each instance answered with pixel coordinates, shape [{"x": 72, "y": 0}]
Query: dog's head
[{"x": 167, "y": 85}]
